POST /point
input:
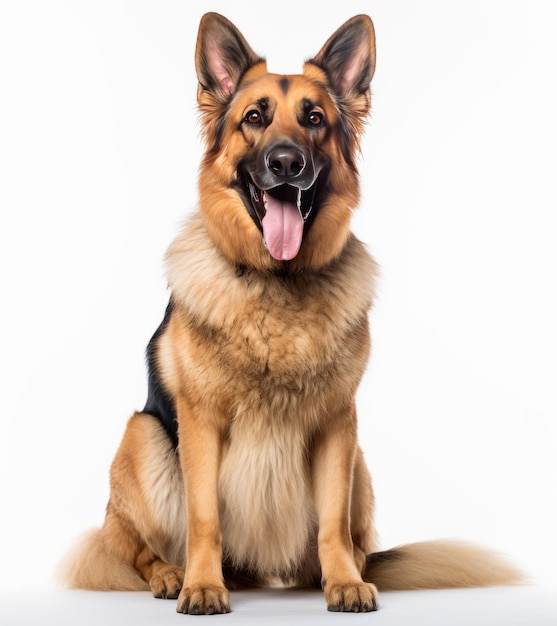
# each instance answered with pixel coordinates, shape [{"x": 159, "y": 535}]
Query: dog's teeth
[{"x": 299, "y": 204}]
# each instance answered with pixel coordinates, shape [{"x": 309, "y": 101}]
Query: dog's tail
[
  {"x": 439, "y": 565},
  {"x": 91, "y": 564}
]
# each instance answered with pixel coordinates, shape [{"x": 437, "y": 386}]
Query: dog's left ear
[
  {"x": 348, "y": 57},
  {"x": 222, "y": 56}
]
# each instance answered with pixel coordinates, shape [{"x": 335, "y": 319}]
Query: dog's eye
[
  {"x": 253, "y": 117},
  {"x": 315, "y": 118}
]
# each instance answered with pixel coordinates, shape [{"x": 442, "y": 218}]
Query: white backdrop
[{"x": 99, "y": 149}]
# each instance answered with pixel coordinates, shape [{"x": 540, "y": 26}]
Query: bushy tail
[
  {"x": 439, "y": 565},
  {"x": 90, "y": 565}
]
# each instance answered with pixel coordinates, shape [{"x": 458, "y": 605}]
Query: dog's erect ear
[
  {"x": 348, "y": 57},
  {"x": 222, "y": 55}
]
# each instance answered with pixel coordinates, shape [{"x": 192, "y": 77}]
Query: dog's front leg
[
  {"x": 333, "y": 470},
  {"x": 200, "y": 447}
]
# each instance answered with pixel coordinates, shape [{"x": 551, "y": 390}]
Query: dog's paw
[
  {"x": 167, "y": 582},
  {"x": 204, "y": 600},
  {"x": 353, "y": 597}
]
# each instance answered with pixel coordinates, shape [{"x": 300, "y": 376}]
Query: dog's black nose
[{"x": 286, "y": 161}]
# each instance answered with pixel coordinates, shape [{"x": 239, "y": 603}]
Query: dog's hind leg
[
  {"x": 146, "y": 495},
  {"x": 165, "y": 580},
  {"x": 144, "y": 527}
]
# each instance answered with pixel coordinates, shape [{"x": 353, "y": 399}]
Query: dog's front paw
[
  {"x": 167, "y": 582},
  {"x": 204, "y": 600},
  {"x": 354, "y": 597}
]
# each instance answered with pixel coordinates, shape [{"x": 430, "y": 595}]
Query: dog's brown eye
[
  {"x": 315, "y": 118},
  {"x": 253, "y": 117}
]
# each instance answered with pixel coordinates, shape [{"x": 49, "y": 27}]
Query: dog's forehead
[{"x": 287, "y": 89}]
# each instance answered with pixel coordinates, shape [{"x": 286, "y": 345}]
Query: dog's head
[{"x": 278, "y": 181}]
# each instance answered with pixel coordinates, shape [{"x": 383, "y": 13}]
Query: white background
[{"x": 99, "y": 149}]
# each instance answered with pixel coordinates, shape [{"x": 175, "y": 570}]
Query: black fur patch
[
  {"x": 386, "y": 556},
  {"x": 159, "y": 402},
  {"x": 284, "y": 85}
]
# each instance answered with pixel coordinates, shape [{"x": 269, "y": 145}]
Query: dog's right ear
[{"x": 222, "y": 55}]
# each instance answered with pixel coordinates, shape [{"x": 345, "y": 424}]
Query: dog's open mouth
[{"x": 282, "y": 213}]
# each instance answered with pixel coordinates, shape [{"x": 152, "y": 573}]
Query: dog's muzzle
[{"x": 281, "y": 186}]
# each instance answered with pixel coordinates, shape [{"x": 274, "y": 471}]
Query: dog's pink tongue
[{"x": 283, "y": 228}]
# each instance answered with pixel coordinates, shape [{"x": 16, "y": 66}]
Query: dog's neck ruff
[{"x": 211, "y": 287}]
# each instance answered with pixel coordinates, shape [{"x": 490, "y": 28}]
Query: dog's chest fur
[
  {"x": 274, "y": 355},
  {"x": 266, "y": 512},
  {"x": 281, "y": 329}
]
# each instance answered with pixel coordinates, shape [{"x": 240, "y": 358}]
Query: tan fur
[
  {"x": 262, "y": 360},
  {"x": 442, "y": 564}
]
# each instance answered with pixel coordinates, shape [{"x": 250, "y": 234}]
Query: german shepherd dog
[{"x": 244, "y": 467}]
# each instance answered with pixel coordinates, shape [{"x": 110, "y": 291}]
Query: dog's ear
[
  {"x": 222, "y": 56},
  {"x": 348, "y": 57}
]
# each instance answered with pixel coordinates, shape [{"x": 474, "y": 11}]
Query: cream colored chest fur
[{"x": 283, "y": 329}]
